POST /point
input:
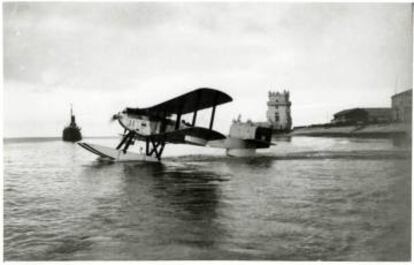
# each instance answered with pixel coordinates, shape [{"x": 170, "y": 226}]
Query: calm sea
[{"x": 303, "y": 199}]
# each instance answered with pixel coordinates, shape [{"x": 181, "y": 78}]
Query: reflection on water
[
  {"x": 303, "y": 199},
  {"x": 191, "y": 196}
]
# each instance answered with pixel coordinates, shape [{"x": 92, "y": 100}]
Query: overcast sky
[{"x": 103, "y": 57}]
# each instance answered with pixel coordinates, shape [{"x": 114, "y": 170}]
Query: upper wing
[
  {"x": 197, "y": 99},
  {"x": 180, "y": 136}
]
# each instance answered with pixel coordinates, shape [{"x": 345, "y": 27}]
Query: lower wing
[{"x": 191, "y": 135}]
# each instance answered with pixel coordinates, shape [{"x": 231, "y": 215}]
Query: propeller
[{"x": 114, "y": 118}]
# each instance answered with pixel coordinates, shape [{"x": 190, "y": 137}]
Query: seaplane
[{"x": 162, "y": 124}]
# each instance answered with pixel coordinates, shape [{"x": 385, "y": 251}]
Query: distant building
[
  {"x": 278, "y": 111},
  {"x": 402, "y": 106},
  {"x": 363, "y": 115}
]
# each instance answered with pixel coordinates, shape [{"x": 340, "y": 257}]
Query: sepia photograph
[{"x": 232, "y": 131}]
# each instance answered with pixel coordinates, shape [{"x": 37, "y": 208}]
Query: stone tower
[{"x": 278, "y": 111}]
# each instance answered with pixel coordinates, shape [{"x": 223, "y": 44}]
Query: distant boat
[{"x": 72, "y": 132}]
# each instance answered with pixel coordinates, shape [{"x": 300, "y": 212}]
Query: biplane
[{"x": 163, "y": 123}]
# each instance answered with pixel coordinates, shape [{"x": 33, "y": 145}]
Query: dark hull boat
[{"x": 72, "y": 132}]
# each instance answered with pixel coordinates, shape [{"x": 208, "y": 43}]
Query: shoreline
[{"x": 371, "y": 130}]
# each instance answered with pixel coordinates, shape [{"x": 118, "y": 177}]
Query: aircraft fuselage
[{"x": 145, "y": 125}]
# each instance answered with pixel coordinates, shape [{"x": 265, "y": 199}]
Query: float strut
[{"x": 124, "y": 140}]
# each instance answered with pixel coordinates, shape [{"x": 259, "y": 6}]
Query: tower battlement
[
  {"x": 279, "y": 98},
  {"x": 285, "y": 93}
]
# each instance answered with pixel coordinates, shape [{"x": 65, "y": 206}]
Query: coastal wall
[{"x": 355, "y": 130}]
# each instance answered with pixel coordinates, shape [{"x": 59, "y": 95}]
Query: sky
[{"x": 103, "y": 57}]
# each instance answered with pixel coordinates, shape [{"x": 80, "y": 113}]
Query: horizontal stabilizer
[
  {"x": 258, "y": 143},
  {"x": 237, "y": 143}
]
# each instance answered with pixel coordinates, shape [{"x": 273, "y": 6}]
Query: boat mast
[{"x": 72, "y": 117}]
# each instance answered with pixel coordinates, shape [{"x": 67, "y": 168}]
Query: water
[{"x": 303, "y": 199}]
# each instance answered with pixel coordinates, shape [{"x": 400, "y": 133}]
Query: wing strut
[
  {"x": 196, "y": 109},
  {"x": 213, "y": 112},
  {"x": 177, "y": 123},
  {"x": 163, "y": 122}
]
